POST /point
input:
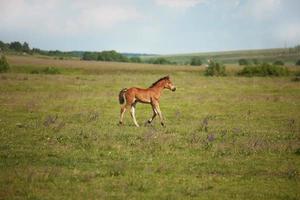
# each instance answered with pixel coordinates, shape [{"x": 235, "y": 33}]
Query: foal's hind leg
[
  {"x": 132, "y": 112},
  {"x": 123, "y": 110}
]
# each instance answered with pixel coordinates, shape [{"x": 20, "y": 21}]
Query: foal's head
[
  {"x": 168, "y": 84},
  {"x": 165, "y": 82}
]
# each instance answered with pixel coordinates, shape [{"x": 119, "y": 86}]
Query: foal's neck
[{"x": 158, "y": 87}]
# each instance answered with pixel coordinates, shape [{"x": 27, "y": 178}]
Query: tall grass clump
[
  {"x": 296, "y": 78},
  {"x": 47, "y": 70},
  {"x": 215, "y": 69},
  {"x": 51, "y": 70},
  {"x": 264, "y": 69},
  {"x": 4, "y": 66},
  {"x": 243, "y": 61},
  {"x": 279, "y": 62}
]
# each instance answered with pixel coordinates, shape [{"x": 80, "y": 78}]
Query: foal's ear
[{"x": 167, "y": 77}]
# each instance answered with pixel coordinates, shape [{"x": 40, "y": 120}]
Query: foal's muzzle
[{"x": 174, "y": 89}]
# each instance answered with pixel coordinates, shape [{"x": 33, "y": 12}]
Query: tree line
[
  {"x": 109, "y": 56},
  {"x": 15, "y": 46},
  {"x": 114, "y": 56}
]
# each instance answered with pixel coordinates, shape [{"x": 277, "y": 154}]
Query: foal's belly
[
  {"x": 144, "y": 98},
  {"x": 141, "y": 101}
]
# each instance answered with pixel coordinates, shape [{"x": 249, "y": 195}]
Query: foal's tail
[{"x": 121, "y": 96}]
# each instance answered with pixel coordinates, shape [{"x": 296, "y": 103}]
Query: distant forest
[
  {"x": 24, "y": 48},
  {"x": 112, "y": 55}
]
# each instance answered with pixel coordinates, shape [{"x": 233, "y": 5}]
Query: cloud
[
  {"x": 66, "y": 17},
  {"x": 261, "y": 9},
  {"x": 179, "y": 4},
  {"x": 289, "y": 33}
]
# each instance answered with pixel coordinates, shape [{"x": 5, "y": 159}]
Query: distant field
[
  {"x": 225, "y": 137},
  {"x": 231, "y": 57}
]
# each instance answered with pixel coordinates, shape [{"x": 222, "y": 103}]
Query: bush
[
  {"x": 243, "y": 61},
  {"x": 135, "y": 59},
  {"x": 215, "y": 69},
  {"x": 255, "y": 61},
  {"x": 111, "y": 56},
  {"x": 160, "y": 61},
  {"x": 298, "y": 62},
  {"x": 35, "y": 71},
  {"x": 51, "y": 70},
  {"x": 279, "y": 62},
  {"x": 264, "y": 69},
  {"x": 4, "y": 66},
  {"x": 196, "y": 61},
  {"x": 89, "y": 56}
]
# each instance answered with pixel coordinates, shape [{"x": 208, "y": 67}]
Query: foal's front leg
[
  {"x": 153, "y": 116},
  {"x": 157, "y": 109}
]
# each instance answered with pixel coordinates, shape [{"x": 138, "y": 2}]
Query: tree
[
  {"x": 89, "y": 56},
  {"x": 17, "y": 46},
  {"x": 25, "y": 47},
  {"x": 161, "y": 61},
  {"x": 215, "y": 69},
  {"x": 3, "y": 46},
  {"x": 196, "y": 61},
  {"x": 135, "y": 59},
  {"x": 4, "y": 66},
  {"x": 112, "y": 56}
]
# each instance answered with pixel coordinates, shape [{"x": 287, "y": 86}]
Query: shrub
[
  {"x": 34, "y": 71},
  {"x": 215, "y": 69},
  {"x": 255, "y": 61},
  {"x": 264, "y": 69},
  {"x": 243, "y": 61},
  {"x": 297, "y": 77},
  {"x": 4, "y": 66},
  {"x": 196, "y": 61},
  {"x": 298, "y": 62},
  {"x": 135, "y": 59},
  {"x": 160, "y": 61},
  {"x": 89, "y": 56},
  {"x": 51, "y": 70},
  {"x": 279, "y": 62}
]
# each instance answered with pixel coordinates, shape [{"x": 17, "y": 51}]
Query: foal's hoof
[
  {"x": 163, "y": 124},
  {"x": 148, "y": 123},
  {"x": 120, "y": 123}
]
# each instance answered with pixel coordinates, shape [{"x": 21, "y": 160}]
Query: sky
[{"x": 151, "y": 26}]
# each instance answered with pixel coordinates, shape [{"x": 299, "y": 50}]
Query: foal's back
[{"x": 138, "y": 94}]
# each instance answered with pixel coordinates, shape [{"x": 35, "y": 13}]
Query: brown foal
[{"x": 130, "y": 97}]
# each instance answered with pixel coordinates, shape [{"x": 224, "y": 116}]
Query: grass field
[
  {"x": 289, "y": 56},
  {"x": 225, "y": 137}
]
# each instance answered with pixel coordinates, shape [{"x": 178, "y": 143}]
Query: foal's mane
[{"x": 163, "y": 78}]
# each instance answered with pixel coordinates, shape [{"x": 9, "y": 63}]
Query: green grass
[
  {"x": 289, "y": 56},
  {"x": 225, "y": 137}
]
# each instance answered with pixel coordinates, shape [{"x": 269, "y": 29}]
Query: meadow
[
  {"x": 225, "y": 137},
  {"x": 288, "y": 55}
]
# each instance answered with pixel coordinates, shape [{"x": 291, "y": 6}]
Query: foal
[{"x": 150, "y": 95}]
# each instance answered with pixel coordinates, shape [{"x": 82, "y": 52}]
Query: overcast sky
[{"x": 151, "y": 26}]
